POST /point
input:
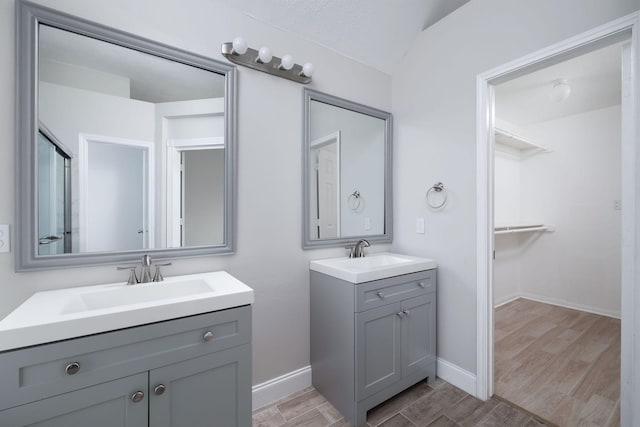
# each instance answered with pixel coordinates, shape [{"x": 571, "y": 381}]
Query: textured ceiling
[
  {"x": 375, "y": 32},
  {"x": 595, "y": 80}
]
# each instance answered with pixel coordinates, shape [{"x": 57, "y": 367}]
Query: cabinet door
[
  {"x": 208, "y": 391},
  {"x": 105, "y": 405},
  {"x": 418, "y": 334},
  {"x": 378, "y": 351}
]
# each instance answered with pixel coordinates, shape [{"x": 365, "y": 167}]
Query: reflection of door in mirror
[
  {"x": 116, "y": 180},
  {"x": 325, "y": 187},
  {"x": 54, "y": 201},
  {"x": 202, "y": 192}
]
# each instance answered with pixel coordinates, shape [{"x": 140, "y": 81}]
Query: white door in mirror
[{"x": 4, "y": 237}]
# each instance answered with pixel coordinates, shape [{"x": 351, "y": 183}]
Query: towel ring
[
  {"x": 438, "y": 187},
  {"x": 354, "y": 200}
]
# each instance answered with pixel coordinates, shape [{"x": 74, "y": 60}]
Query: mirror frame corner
[
  {"x": 309, "y": 95},
  {"x": 28, "y": 16}
]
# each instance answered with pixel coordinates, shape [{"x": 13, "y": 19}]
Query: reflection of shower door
[
  {"x": 326, "y": 187},
  {"x": 54, "y": 198},
  {"x": 115, "y": 194}
]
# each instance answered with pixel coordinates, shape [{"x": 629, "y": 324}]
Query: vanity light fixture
[
  {"x": 560, "y": 90},
  {"x": 263, "y": 60}
]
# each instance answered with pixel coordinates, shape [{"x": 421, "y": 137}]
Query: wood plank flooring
[
  {"x": 434, "y": 404},
  {"x": 560, "y": 364}
]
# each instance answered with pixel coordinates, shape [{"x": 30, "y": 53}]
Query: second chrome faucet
[
  {"x": 357, "y": 250},
  {"x": 145, "y": 272}
]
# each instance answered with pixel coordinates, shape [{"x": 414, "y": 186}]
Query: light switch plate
[
  {"x": 367, "y": 223},
  {"x": 4, "y": 237},
  {"x": 419, "y": 225}
]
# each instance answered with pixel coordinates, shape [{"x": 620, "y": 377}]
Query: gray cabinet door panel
[
  {"x": 378, "y": 357},
  {"x": 103, "y": 405},
  {"x": 208, "y": 391},
  {"x": 418, "y": 334}
]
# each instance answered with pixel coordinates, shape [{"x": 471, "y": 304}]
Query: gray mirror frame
[
  {"x": 307, "y": 96},
  {"x": 28, "y": 17}
]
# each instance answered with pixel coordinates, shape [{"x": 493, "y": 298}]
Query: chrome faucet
[
  {"x": 145, "y": 272},
  {"x": 357, "y": 250}
]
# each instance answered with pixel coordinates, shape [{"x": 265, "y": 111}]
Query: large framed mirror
[
  {"x": 346, "y": 171},
  {"x": 124, "y": 146}
]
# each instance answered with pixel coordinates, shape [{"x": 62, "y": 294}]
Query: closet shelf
[
  {"x": 529, "y": 228},
  {"x": 512, "y": 142}
]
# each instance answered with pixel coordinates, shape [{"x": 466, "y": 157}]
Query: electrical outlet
[
  {"x": 617, "y": 205},
  {"x": 4, "y": 237},
  {"x": 419, "y": 225}
]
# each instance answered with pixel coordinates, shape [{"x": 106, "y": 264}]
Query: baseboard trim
[
  {"x": 457, "y": 376},
  {"x": 566, "y": 304},
  {"x": 276, "y": 388},
  {"x": 506, "y": 300}
]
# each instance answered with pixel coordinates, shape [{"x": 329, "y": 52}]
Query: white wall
[
  {"x": 434, "y": 106},
  {"x": 268, "y": 257},
  {"x": 573, "y": 188}
]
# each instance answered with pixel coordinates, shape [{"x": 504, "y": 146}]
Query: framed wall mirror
[
  {"x": 346, "y": 171},
  {"x": 124, "y": 146}
]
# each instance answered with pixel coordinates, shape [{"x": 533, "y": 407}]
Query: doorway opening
[
  {"x": 624, "y": 29},
  {"x": 325, "y": 187},
  {"x": 116, "y": 200},
  {"x": 557, "y": 197}
]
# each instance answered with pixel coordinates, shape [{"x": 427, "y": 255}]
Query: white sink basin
[
  {"x": 72, "y": 312},
  {"x": 371, "y": 267},
  {"x": 137, "y": 294}
]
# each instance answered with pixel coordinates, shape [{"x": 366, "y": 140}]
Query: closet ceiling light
[
  {"x": 560, "y": 90},
  {"x": 240, "y": 53}
]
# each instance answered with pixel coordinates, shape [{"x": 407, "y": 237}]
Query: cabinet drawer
[
  {"x": 381, "y": 292},
  {"x": 46, "y": 370}
]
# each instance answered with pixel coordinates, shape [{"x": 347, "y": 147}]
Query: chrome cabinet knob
[
  {"x": 380, "y": 294},
  {"x": 160, "y": 388},
  {"x": 400, "y": 314},
  {"x": 137, "y": 396},
  {"x": 208, "y": 336},
  {"x": 406, "y": 312},
  {"x": 421, "y": 284},
  {"x": 72, "y": 368}
]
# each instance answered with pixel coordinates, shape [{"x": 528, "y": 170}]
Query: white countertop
[
  {"x": 73, "y": 312},
  {"x": 373, "y": 266}
]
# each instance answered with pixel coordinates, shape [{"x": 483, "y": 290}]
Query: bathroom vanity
[
  {"x": 373, "y": 329},
  {"x": 191, "y": 369}
]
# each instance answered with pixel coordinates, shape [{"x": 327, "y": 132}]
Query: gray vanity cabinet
[
  {"x": 192, "y": 371},
  {"x": 371, "y": 340}
]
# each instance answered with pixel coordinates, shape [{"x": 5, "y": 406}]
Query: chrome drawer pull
[
  {"x": 380, "y": 295},
  {"x": 137, "y": 396},
  {"x": 160, "y": 388},
  {"x": 208, "y": 336},
  {"x": 72, "y": 368},
  {"x": 421, "y": 284}
]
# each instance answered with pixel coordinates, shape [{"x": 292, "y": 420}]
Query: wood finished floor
[
  {"x": 437, "y": 404},
  {"x": 560, "y": 364}
]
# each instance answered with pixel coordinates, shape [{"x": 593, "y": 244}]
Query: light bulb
[
  {"x": 286, "y": 63},
  {"x": 560, "y": 90},
  {"x": 307, "y": 69},
  {"x": 240, "y": 46},
  {"x": 264, "y": 55}
]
